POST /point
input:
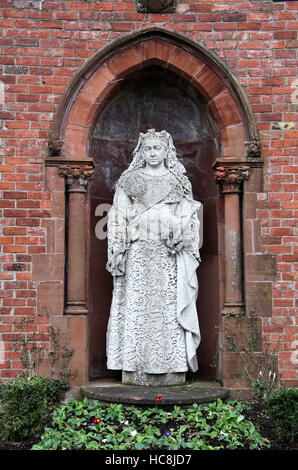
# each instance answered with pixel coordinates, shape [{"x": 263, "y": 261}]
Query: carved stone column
[
  {"x": 230, "y": 176},
  {"x": 76, "y": 176}
]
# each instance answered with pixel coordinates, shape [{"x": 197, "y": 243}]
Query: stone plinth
[
  {"x": 193, "y": 392},
  {"x": 161, "y": 380}
]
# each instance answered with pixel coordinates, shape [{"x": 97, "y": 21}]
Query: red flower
[
  {"x": 159, "y": 398},
  {"x": 96, "y": 420}
]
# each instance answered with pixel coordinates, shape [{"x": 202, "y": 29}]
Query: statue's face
[{"x": 154, "y": 152}]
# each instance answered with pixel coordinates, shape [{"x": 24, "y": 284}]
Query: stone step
[{"x": 201, "y": 392}]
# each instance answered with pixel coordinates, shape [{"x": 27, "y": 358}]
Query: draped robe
[{"x": 153, "y": 325}]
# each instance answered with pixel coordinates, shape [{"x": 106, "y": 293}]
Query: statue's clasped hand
[
  {"x": 174, "y": 245},
  {"x": 117, "y": 260}
]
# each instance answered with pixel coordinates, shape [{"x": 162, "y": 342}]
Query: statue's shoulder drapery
[{"x": 133, "y": 183}]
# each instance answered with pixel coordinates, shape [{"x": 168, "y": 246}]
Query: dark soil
[{"x": 258, "y": 414}]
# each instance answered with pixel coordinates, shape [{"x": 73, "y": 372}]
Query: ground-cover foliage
[
  {"x": 24, "y": 402},
  {"x": 283, "y": 406},
  {"x": 215, "y": 426}
]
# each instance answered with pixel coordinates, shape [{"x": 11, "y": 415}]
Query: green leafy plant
[
  {"x": 283, "y": 407},
  {"x": 24, "y": 400},
  {"x": 264, "y": 384},
  {"x": 215, "y": 426},
  {"x": 55, "y": 388}
]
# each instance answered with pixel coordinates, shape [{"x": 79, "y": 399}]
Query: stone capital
[
  {"x": 76, "y": 176},
  {"x": 231, "y": 176}
]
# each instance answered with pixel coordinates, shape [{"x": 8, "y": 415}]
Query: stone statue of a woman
[{"x": 153, "y": 254}]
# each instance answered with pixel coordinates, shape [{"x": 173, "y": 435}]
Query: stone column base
[
  {"x": 76, "y": 308},
  {"x": 232, "y": 308},
  {"x": 142, "y": 378}
]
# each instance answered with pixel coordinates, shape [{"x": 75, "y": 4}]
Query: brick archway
[{"x": 238, "y": 156}]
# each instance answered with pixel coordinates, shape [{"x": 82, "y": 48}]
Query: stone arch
[
  {"x": 238, "y": 156},
  {"x": 204, "y": 69}
]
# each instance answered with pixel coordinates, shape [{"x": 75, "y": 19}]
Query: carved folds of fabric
[
  {"x": 143, "y": 332},
  {"x": 117, "y": 233}
]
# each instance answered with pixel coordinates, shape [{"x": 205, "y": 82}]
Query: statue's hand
[
  {"x": 116, "y": 263},
  {"x": 174, "y": 245}
]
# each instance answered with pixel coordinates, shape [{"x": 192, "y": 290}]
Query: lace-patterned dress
[{"x": 153, "y": 325}]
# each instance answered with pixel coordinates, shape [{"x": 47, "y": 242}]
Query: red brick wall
[{"x": 44, "y": 43}]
